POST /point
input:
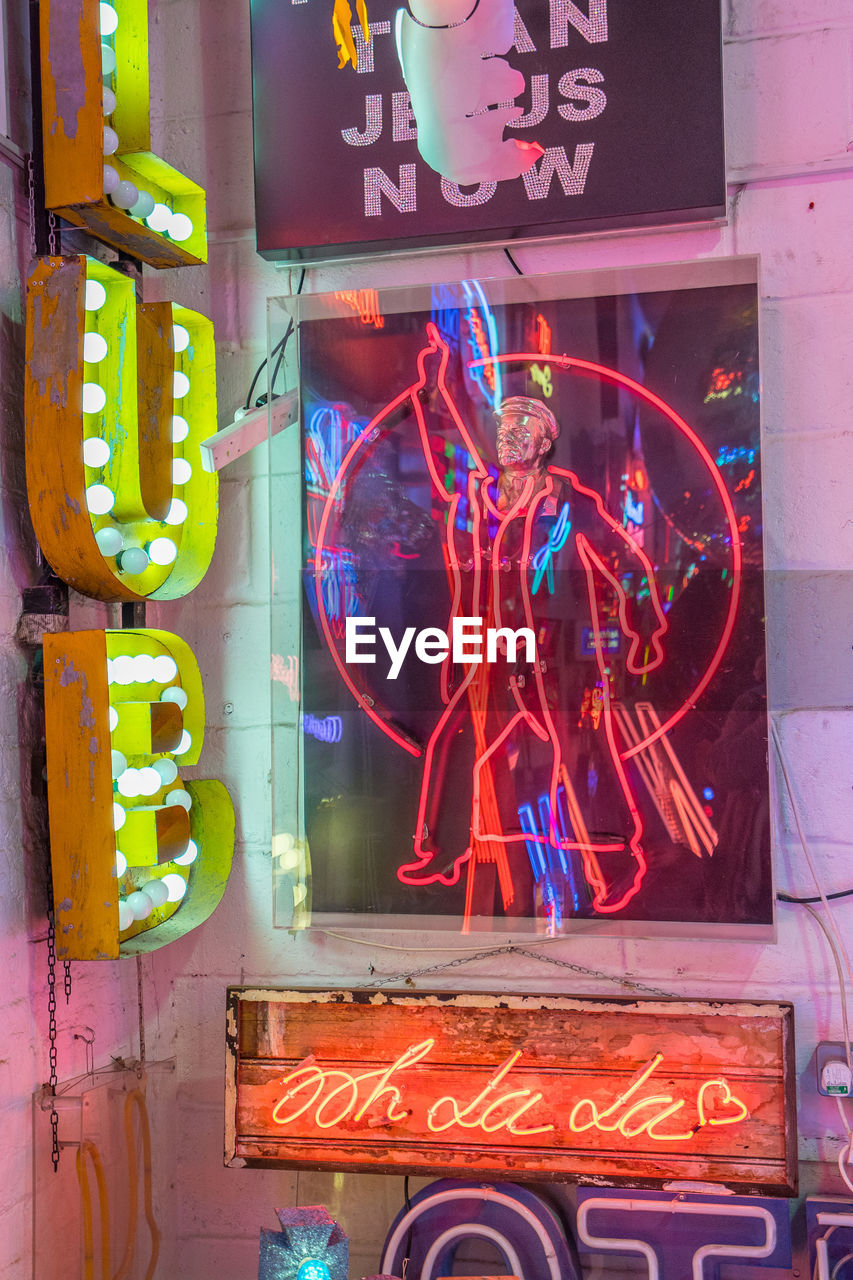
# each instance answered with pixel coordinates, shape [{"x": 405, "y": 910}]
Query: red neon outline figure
[{"x": 527, "y": 486}]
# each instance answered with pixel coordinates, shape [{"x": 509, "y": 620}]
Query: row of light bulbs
[
  {"x": 154, "y": 893},
  {"x": 142, "y": 668},
  {"x": 131, "y": 783},
  {"x": 123, "y": 193},
  {"x": 100, "y": 498}
]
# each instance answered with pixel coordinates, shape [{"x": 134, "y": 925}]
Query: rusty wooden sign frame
[{"x": 639, "y": 1092}]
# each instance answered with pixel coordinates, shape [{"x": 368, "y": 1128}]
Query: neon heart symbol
[{"x": 728, "y": 1098}]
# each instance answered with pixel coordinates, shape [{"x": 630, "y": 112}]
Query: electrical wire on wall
[
  {"x": 278, "y": 351},
  {"x": 830, "y": 930}
]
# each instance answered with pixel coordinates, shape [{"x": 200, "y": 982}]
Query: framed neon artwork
[{"x": 532, "y": 645}]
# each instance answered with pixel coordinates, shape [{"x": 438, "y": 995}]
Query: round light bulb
[
  {"x": 133, "y": 560},
  {"x": 109, "y": 20},
  {"x": 125, "y": 195},
  {"x": 96, "y": 295},
  {"x": 118, "y": 762},
  {"x": 157, "y": 892},
  {"x": 109, "y": 62},
  {"x": 140, "y": 904},
  {"x": 109, "y": 540},
  {"x": 149, "y": 781},
  {"x": 166, "y": 770},
  {"x": 184, "y": 744},
  {"x": 180, "y": 428},
  {"x": 313, "y": 1269},
  {"x": 189, "y": 856},
  {"x": 96, "y": 452},
  {"x": 94, "y": 348},
  {"x": 109, "y": 100},
  {"x": 111, "y": 179},
  {"x": 176, "y": 886},
  {"x": 110, "y": 674},
  {"x": 110, "y": 140},
  {"x": 181, "y": 471},
  {"x": 99, "y": 499},
  {"x": 123, "y": 672},
  {"x": 175, "y": 694},
  {"x": 162, "y": 551},
  {"x": 94, "y": 397},
  {"x": 159, "y": 218},
  {"x": 143, "y": 668},
  {"x": 180, "y": 797},
  {"x": 128, "y": 784},
  {"x": 180, "y": 338},
  {"x": 177, "y": 512},
  {"x": 180, "y": 385},
  {"x": 144, "y": 205},
  {"x": 125, "y": 915},
  {"x": 119, "y": 817},
  {"x": 165, "y": 668},
  {"x": 113, "y": 719},
  {"x": 121, "y": 863},
  {"x": 180, "y": 227}
]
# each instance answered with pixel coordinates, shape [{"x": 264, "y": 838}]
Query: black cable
[
  {"x": 278, "y": 348},
  {"x": 787, "y": 897},
  {"x": 513, "y": 263},
  {"x": 407, "y": 1252},
  {"x": 283, "y": 344},
  {"x": 282, "y": 348}
]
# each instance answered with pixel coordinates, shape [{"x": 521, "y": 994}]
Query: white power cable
[{"x": 836, "y": 943}]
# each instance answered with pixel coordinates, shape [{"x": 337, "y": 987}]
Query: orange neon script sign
[
  {"x": 553, "y": 1087},
  {"x": 332, "y": 1097}
]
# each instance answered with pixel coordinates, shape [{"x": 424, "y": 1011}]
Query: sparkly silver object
[
  {"x": 521, "y": 41},
  {"x": 363, "y": 49},
  {"x": 538, "y": 104},
  {"x": 307, "y": 1235},
  {"x": 591, "y": 25},
  {"x": 402, "y": 119},
  {"x": 373, "y": 123},
  {"x": 404, "y": 197},
  {"x": 454, "y": 194},
  {"x": 576, "y": 84},
  {"x": 537, "y": 182}
]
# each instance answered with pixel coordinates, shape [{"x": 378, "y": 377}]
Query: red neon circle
[
  {"x": 602, "y": 371},
  {"x": 564, "y": 362}
]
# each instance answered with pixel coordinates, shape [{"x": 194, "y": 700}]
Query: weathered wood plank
[{"x": 640, "y": 1091}]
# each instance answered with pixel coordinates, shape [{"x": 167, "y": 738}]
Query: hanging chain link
[
  {"x": 141, "y": 1010},
  {"x": 52, "y": 223},
  {"x": 51, "y": 1035},
  {"x": 67, "y": 981},
  {"x": 408, "y": 977},
  {"x": 31, "y": 204}
]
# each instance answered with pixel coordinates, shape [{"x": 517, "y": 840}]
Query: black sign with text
[{"x": 622, "y": 123}]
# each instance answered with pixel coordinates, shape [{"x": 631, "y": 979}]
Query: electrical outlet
[{"x": 829, "y": 1051}]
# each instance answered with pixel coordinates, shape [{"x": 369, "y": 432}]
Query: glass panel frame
[{"x": 639, "y": 346}]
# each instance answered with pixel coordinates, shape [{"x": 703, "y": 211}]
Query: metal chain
[
  {"x": 51, "y": 233},
  {"x": 51, "y": 1035},
  {"x": 409, "y": 976},
  {"x": 67, "y": 981},
  {"x": 31, "y": 203},
  {"x": 141, "y": 1010}
]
